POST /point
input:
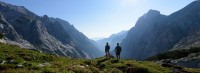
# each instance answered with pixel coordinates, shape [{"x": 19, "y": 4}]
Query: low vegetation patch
[
  {"x": 14, "y": 59},
  {"x": 175, "y": 54}
]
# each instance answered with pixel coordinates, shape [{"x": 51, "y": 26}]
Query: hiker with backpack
[
  {"x": 107, "y": 48},
  {"x": 118, "y": 50}
]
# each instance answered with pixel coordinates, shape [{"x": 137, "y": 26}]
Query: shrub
[
  {"x": 88, "y": 62},
  {"x": 94, "y": 70},
  {"x": 178, "y": 67},
  {"x": 136, "y": 70},
  {"x": 114, "y": 70},
  {"x": 48, "y": 70},
  {"x": 6, "y": 66},
  {"x": 167, "y": 65}
]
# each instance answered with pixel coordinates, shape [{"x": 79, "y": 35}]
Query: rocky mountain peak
[
  {"x": 45, "y": 17},
  {"x": 153, "y": 12},
  {"x": 149, "y": 19},
  {"x": 8, "y": 8},
  {"x": 194, "y": 5},
  {"x": 197, "y": 1}
]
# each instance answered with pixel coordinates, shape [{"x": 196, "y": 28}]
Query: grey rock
[
  {"x": 19, "y": 66},
  {"x": 191, "y": 63},
  {"x": 11, "y": 61},
  {"x": 44, "y": 64},
  {"x": 3, "y": 62}
]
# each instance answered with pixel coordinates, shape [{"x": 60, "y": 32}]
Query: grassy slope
[{"x": 34, "y": 62}]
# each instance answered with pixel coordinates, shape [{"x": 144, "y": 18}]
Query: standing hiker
[
  {"x": 118, "y": 50},
  {"x": 107, "y": 48}
]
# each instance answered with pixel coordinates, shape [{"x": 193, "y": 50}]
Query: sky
[{"x": 100, "y": 18}]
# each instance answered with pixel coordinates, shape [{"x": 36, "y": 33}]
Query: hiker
[
  {"x": 107, "y": 48},
  {"x": 118, "y": 50}
]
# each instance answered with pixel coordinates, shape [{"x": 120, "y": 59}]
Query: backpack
[
  {"x": 107, "y": 47},
  {"x": 118, "y": 49}
]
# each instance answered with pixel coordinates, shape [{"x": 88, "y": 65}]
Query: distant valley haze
[{"x": 100, "y": 18}]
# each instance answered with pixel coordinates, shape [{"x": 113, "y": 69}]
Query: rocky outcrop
[
  {"x": 187, "y": 42},
  {"x": 191, "y": 61},
  {"x": 11, "y": 35}
]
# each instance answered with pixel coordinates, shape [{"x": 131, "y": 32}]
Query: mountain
[
  {"x": 112, "y": 40},
  {"x": 97, "y": 38},
  {"x": 15, "y": 59},
  {"x": 155, "y": 33},
  {"x": 43, "y": 33}
]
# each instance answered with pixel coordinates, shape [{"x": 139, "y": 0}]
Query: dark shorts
[{"x": 117, "y": 53}]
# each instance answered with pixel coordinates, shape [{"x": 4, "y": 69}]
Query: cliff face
[
  {"x": 155, "y": 33},
  {"x": 44, "y": 33}
]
